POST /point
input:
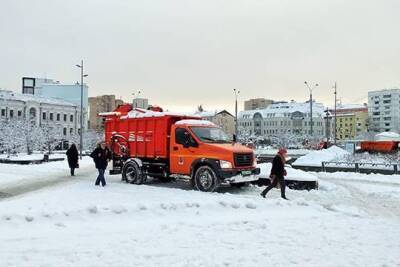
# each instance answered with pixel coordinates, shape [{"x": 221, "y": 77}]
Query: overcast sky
[{"x": 183, "y": 53}]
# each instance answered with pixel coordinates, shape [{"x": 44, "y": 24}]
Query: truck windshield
[{"x": 211, "y": 135}]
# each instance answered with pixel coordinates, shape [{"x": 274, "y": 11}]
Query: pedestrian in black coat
[
  {"x": 278, "y": 173},
  {"x": 72, "y": 156},
  {"x": 101, "y": 155}
]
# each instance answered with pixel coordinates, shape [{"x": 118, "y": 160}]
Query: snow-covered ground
[
  {"x": 351, "y": 221},
  {"x": 15, "y": 177},
  {"x": 34, "y": 156}
]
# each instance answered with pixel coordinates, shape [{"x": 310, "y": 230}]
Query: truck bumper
[{"x": 239, "y": 176}]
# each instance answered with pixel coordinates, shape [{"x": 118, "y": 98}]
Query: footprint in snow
[
  {"x": 29, "y": 218},
  {"x": 119, "y": 210},
  {"x": 93, "y": 209},
  {"x": 60, "y": 224},
  {"x": 251, "y": 206}
]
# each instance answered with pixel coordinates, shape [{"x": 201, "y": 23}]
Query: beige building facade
[
  {"x": 223, "y": 119},
  {"x": 257, "y": 103},
  {"x": 104, "y": 103}
]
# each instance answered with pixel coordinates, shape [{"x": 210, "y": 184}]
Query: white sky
[{"x": 183, "y": 53}]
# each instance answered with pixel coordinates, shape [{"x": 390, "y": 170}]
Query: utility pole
[
  {"x": 311, "y": 105},
  {"x": 81, "y": 124},
  {"x": 335, "y": 87},
  {"x": 237, "y": 92}
]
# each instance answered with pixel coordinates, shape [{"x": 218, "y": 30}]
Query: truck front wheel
[
  {"x": 205, "y": 179},
  {"x": 131, "y": 173}
]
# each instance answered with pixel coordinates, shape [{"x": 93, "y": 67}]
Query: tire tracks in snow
[{"x": 373, "y": 204}]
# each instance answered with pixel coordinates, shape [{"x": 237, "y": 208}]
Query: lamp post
[
  {"x": 335, "y": 92},
  {"x": 137, "y": 96},
  {"x": 81, "y": 127},
  {"x": 236, "y": 92},
  {"x": 311, "y": 100}
]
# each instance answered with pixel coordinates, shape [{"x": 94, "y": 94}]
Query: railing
[{"x": 362, "y": 166}]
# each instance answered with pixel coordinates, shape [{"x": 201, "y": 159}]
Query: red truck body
[
  {"x": 145, "y": 137},
  {"x": 379, "y": 146}
]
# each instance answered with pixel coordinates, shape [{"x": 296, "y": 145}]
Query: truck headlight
[{"x": 225, "y": 164}]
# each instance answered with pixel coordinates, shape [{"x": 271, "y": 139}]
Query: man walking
[
  {"x": 101, "y": 155},
  {"x": 278, "y": 173}
]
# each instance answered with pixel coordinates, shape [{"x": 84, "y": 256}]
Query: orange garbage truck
[{"x": 162, "y": 145}]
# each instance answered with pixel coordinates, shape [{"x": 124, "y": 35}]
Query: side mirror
[{"x": 186, "y": 144}]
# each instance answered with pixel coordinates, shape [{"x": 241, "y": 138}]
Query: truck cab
[{"x": 200, "y": 149}]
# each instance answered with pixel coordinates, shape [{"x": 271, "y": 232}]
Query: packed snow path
[{"x": 20, "y": 179}]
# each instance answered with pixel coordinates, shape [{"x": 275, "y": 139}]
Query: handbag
[{"x": 77, "y": 166}]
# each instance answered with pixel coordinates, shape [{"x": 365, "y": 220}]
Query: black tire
[
  {"x": 205, "y": 179},
  {"x": 132, "y": 174}
]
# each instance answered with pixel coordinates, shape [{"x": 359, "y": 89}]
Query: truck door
[{"x": 183, "y": 151}]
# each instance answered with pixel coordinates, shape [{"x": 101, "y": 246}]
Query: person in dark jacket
[
  {"x": 278, "y": 173},
  {"x": 72, "y": 156},
  {"x": 101, "y": 155}
]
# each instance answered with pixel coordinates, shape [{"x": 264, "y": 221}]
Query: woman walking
[
  {"x": 101, "y": 155},
  {"x": 72, "y": 156},
  {"x": 278, "y": 173}
]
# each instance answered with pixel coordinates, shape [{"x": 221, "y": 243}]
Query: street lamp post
[
  {"x": 237, "y": 92},
  {"x": 311, "y": 104},
  {"x": 335, "y": 87},
  {"x": 81, "y": 127}
]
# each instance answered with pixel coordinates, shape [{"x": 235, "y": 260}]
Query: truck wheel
[
  {"x": 205, "y": 179},
  {"x": 131, "y": 173}
]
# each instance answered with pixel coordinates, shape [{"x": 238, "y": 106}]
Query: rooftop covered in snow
[
  {"x": 283, "y": 109},
  {"x": 13, "y": 96}
]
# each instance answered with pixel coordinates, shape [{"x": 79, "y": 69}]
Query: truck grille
[{"x": 242, "y": 160}]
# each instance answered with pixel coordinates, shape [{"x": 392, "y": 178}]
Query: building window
[
  {"x": 65, "y": 131},
  {"x": 71, "y": 118},
  {"x": 32, "y": 113},
  {"x": 44, "y": 115},
  {"x": 51, "y": 116},
  {"x": 65, "y": 117},
  {"x": 58, "y": 116},
  {"x": 71, "y": 131},
  {"x": 3, "y": 112},
  {"x": 11, "y": 113},
  {"x": 19, "y": 113}
]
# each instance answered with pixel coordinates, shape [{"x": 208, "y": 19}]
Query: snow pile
[
  {"x": 316, "y": 158},
  {"x": 272, "y": 151},
  {"x": 292, "y": 174}
]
